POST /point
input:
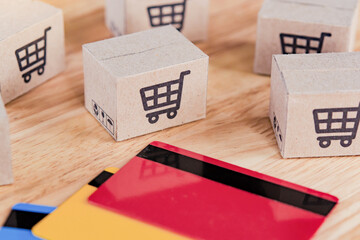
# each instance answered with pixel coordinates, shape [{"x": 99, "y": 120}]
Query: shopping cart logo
[
  {"x": 168, "y": 14},
  {"x": 103, "y": 118},
  {"x": 163, "y": 98},
  {"x": 336, "y": 124},
  {"x": 291, "y": 43},
  {"x": 32, "y": 57}
]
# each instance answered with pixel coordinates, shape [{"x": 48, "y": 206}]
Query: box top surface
[
  {"x": 343, "y": 4},
  {"x": 327, "y": 12},
  {"x": 6, "y": 5},
  {"x": 16, "y": 15},
  {"x": 144, "y": 51},
  {"x": 320, "y": 73}
]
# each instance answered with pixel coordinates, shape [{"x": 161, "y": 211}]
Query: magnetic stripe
[
  {"x": 238, "y": 180},
  {"x": 23, "y": 219},
  {"x": 100, "y": 179}
]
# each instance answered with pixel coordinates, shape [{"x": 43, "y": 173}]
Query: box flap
[
  {"x": 144, "y": 51},
  {"x": 316, "y": 12},
  {"x": 320, "y": 73}
]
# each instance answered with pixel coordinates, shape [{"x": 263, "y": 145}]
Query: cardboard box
[
  {"x": 129, "y": 16},
  {"x": 315, "y": 104},
  {"x": 6, "y": 176},
  {"x": 31, "y": 46},
  {"x": 304, "y": 26},
  {"x": 145, "y": 82}
]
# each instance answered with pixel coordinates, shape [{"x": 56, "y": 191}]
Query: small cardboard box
[
  {"x": 6, "y": 176},
  {"x": 129, "y": 16},
  {"x": 145, "y": 82},
  {"x": 304, "y": 26},
  {"x": 31, "y": 46},
  {"x": 315, "y": 104}
]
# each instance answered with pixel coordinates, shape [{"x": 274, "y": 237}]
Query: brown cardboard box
[
  {"x": 315, "y": 104},
  {"x": 32, "y": 31},
  {"x": 5, "y": 152},
  {"x": 123, "y": 74},
  {"x": 129, "y": 16},
  {"x": 330, "y": 24}
]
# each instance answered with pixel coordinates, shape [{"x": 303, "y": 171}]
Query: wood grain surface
[{"x": 58, "y": 146}]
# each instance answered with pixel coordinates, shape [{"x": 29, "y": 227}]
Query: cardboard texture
[
  {"x": 130, "y": 16},
  {"x": 5, "y": 5},
  {"x": 315, "y": 26},
  {"x": 315, "y": 104},
  {"x": 31, "y": 46},
  {"x": 6, "y": 176},
  {"x": 145, "y": 82}
]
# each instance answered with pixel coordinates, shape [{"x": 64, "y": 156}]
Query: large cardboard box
[
  {"x": 304, "y": 26},
  {"x": 145, "y": 82},
  {"x": 31, "y": 46},
  {"x": 6, "y": 176},
  {"x": 129, "y": 16},
  {"x": 315, "y": 104}
]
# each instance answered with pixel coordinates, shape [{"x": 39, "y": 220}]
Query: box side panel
[
  {"x": 278, "y": 107},
  {"x": 196, "y": 18},
  {"x": 32, "y": 56},
  {"x": 115, "y": 16},
  {"x": 322, "y": 125},
  {"x": 100, "y": 93},
  {"x": 6, "y": 176},
  {"x": 138, "y": 111},
  {"x": 353, "y": 28},
  {"x": 263, "y": 52},
  {"x": 16, "y": 17}
]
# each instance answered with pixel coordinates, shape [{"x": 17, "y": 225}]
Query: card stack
[{"x": 170, "y": 193}]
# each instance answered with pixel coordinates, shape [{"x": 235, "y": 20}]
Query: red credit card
[{"x": 204, "y": 198}]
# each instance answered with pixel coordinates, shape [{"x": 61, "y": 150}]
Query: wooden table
[{"x": 58, "y": 146}]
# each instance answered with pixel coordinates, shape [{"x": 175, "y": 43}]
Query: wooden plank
[{"x": 58, "y": 146}]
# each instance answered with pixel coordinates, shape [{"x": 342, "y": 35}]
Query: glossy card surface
[
  {"x": 204, "y": 198},
  {"x": 22, "y": 218},
  {"x": 77, "y": 219}
]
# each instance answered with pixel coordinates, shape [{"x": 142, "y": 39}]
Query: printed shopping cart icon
[
  {"x": 291, "y": 43},
  {"x": 32, "y": 57},
  {"x": 336, "y": 124},
  {"x": 163, "y": 98},
  {"x": 168, "y": 14}
]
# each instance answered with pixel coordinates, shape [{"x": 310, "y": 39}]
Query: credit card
[
  {"x": 77, "y": 219},
  {"x": 22, "y": 218},
  {"x": 204, "y": 198}
]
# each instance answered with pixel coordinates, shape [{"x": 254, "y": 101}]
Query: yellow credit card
[{"x": 77, "y": 219}]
